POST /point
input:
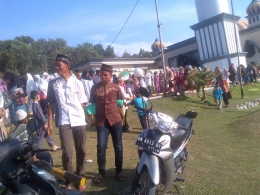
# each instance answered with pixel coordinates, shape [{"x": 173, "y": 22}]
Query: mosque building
[{"x": 214, "y": 43}]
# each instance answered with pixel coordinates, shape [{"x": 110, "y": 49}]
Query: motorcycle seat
[
  {"x": 184, "y": 121},
  {"x": 180, "y": 134}
]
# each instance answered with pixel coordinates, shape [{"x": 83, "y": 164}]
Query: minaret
[{"x": 215, "y": 34}]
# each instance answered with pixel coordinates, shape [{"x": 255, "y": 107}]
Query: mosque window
[
  {"x": 253, "y": 19},
  {"x": 250, "y": 21},
  {"x": 257, "y": 18}
]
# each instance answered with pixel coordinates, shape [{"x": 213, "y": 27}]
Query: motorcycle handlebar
[{"x": 25, "y": 148}]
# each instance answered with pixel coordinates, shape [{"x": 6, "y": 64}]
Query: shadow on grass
[{"x": 110, "y": 185}]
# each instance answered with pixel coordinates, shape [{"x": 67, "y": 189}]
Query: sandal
[
  {"x": 56, "y": 149},
  {"x": 81, "y": 188},
  {"x": 98, "y": 178},
  {"x": 120, "y": 176}
]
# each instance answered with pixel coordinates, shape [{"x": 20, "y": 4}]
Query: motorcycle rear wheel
[{"x": 145, "y": 184}]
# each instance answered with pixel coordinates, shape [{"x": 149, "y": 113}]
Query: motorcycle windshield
[{"x": 8, "y": 150}]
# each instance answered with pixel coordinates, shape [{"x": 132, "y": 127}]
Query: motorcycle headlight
[{"x": 163, "y": 126}]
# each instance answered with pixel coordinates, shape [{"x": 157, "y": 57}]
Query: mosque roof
[
  {"x": 157, "y": 46},
  {"x": 254, "y": 7},
  {"x": 242, "y": 25}
]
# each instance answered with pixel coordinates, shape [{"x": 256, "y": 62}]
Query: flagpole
[
  {"x": 238, "y": 60},
  {"x": 162, "y": 52}
]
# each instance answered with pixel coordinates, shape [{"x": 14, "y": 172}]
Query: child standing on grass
[
  {"x": 139, "y": 102},
  {"x": 217, "y": 93},
  {"x": 41, "y": 122}
]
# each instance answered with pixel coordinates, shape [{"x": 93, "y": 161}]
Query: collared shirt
[
  {"x": 148, "y": 79},
  {"x": 105, "y": 96},
  {"x": 67, "y": 98}
]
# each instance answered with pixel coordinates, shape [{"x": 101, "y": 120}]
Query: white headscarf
[
  {"x": 45, "y": 79},
  {"x": 30, "y": 85},
  {"x": 56, "y": 75},
  {"x": 43, "y": 86}
]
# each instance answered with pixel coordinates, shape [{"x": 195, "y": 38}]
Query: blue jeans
[{"x": 102, "y": 136}]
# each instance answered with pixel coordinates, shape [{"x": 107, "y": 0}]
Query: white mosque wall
[
  {"x": 223, "y": 63},
  {"x": 209, "y": 8},
  {"x": 222, "y": 35},
  {"x": 253, "y": 36},
  {"x": 217, "y": 38},
  {"x": 230, "y": 37},
  {"x": 242, "y": 60},
  {"x": 212, "y": 38}
]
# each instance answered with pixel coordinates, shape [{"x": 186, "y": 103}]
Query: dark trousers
[
  {"x": 143, "y": 121},
  {"x": 102, "y": 136},
  {"x": 149, "y": 89},
  {"x": 67, "y": 135},
  {"x": 225, "y": 99},
  {"x": 46, "y": 156},
  {"x": 41, "y": 135}
]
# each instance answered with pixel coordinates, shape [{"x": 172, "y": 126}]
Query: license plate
[{"x": 149, "y": 144}]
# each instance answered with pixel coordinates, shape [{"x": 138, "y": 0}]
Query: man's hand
[
  {"x": 50, "y": 130},
  {"x": 2, "y": 112}
]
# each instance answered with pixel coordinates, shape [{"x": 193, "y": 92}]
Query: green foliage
[
  {"x": 142, "y": 54},
  {"x": 23, "y": 54},
  {"x": 199, "y": 79}
]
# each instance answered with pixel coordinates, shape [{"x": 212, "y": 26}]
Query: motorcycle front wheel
[{"x": 145, "y": 185}]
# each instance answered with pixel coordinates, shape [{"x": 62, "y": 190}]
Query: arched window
[
  {"x": 253, "y": 19},
  {"x": 250, "y": 21},
  {"x": 257, "y": 18}
]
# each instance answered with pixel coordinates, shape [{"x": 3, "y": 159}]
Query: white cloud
[{"x": 97, "y": 38}]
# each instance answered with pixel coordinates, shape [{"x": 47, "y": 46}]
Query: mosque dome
[
  {"x": 156, "y": 45},
  {"x": 254, "y": 7}
]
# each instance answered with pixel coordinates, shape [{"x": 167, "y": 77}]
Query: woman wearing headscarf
[
  {"x": 15, "y": 88},
  {"x": 87, "y": 81},
  {"x": 43, "y": 87},
  {"x": 156, "y": 82},
  {"x": 92, "y": 74},
  {"x": 30, "y": 86},
  {"x": 226, "y": 75},
  {"x": 56, "y": 75},
  {"x": 224, "y": 86},
  {"x": 45, "y": 77},
  {"x": 129, "y": 85}
]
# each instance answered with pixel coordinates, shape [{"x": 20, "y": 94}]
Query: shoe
[
  {"x": 81, "y": 188},
  {"x": 68, "y": 187},
  {"x": 98, "y": 178},
  {"x": 56, "y": 149},
  {"x": 120, "y": 176}
]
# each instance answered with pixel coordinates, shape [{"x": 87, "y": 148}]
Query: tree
[
  {"x": 109, "y": 52},
  {"x": 25, "y": 39},
  {"x": 199, "y": 79},
  {"x": 126, "y": 55}
]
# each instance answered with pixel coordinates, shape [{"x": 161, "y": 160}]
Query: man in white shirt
[
  {"x": 148, "y": 80},
  {"x": 66, "y": 97}
]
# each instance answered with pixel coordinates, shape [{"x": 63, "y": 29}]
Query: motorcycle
[
  {"x": 162, "y": 150},
  {"x": 19, "y": 176}
]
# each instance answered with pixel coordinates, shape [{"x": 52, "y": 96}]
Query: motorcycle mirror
[
  {"x": 192, "y": 114},
  {"x": 32, "y": 126},
  {"x": 144, "y": 92}
]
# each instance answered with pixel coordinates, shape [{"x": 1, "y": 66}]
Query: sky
[{"x": 99, "y": 21}]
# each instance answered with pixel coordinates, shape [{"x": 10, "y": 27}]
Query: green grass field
[{"x": 224, "y": 153}]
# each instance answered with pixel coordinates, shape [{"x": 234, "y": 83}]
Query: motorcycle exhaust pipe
[{"x": 78, "y": 180}]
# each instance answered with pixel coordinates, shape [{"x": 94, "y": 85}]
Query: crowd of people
[{"x": 63, "y": 96}]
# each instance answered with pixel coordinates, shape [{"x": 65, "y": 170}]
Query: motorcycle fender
[
  {"x": 169, "y": 174},
  {"x": 152, "y": 164}
]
